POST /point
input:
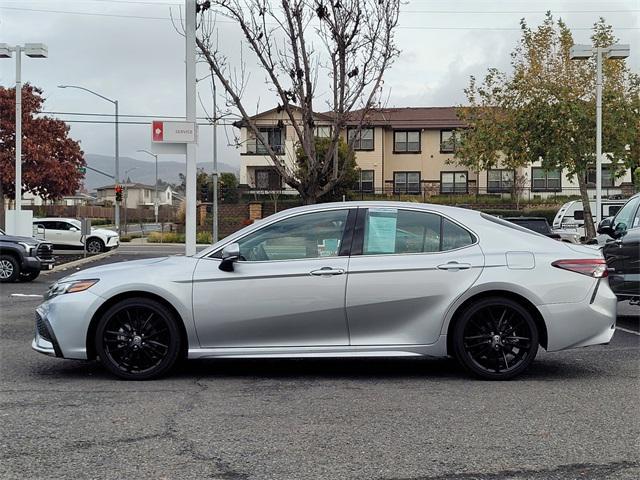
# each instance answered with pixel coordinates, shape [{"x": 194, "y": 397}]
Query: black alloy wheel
[
  {"x": 138, "y": 339},
  {"x": 496, "y": 339}
]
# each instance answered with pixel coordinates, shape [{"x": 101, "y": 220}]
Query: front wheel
[
  {"x": 9, "y": 269},
  {"x": 137, "y": 339},
  {"x": 495, "y": 339},
  {"x": 95, "y": 245}
]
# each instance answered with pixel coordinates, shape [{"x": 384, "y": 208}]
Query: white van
[{"x": 571, "y": 214}]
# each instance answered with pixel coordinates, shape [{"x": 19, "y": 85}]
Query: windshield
[{"x": 75, "y": 223}]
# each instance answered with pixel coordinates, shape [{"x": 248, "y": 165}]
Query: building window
[
  {"x": 500, "y": 180},
  {"x": 365, "y": 182},
  {"x": 268, "y": 179},
  {"x": 448, "y": 140},
  {"x": 406, "y": 141},
  {"x": 273, "y": 136},
  {"x": 453, "y": 182},
  {"x": 545, "y": 180},
  {"x": 323, "y": 131},
  {"x": 362, "y": 140},
  {"x": 406, "y": 182},
  {"x": 607, "y": 177}
]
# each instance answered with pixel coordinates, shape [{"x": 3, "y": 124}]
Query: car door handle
[
  {"x": 326, "y": 271},
  {"x": 454, "y": 266}
]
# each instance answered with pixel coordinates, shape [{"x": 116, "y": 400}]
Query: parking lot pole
[
  {"x": 18, "y": 196},
  {"x": 598, "y": 135},
  {"x": 190, "y": 91}
]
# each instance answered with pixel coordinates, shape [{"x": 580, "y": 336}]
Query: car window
[
  {"x": 626, "y": 217},
  {"x": 311, "y": 235},
  {"x": 392, "y": 231},
  {"x": 454, "y": 236},
  {"x": 539, "y": 226}
]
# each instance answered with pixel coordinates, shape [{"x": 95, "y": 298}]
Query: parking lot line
[{"x": 626, "y": 330}]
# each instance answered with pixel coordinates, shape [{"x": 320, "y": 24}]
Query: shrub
[{"x": 166, "y": 237}]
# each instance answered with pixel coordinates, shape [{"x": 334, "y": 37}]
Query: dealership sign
[{"x": 173, "y": 132}]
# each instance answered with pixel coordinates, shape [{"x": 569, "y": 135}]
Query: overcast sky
[{"x": 106, "y": 46}]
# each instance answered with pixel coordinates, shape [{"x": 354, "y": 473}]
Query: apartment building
[{"x": 404, "y": 151}]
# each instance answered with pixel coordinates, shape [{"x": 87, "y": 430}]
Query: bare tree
[{"x": 299, "y": 44}]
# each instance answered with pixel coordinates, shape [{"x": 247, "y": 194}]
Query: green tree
[
  {"x": 346, "y": 164},
  {"x": 544, "y": 109}
]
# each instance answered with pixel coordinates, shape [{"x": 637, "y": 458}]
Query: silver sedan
[{"x": 361, "y": 279}]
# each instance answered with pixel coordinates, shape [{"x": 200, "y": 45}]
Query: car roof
[{"x": 53, "y": 219}]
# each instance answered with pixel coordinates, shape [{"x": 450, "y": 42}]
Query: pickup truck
[{"x": 22, "y": 258}]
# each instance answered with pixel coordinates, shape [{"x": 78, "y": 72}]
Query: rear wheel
[
  {"x": 95, "y": 245},
  {"x": 137, "y": 339},
  {"x": 9, "y": 269},
  {"x": 495, "y": 339}
]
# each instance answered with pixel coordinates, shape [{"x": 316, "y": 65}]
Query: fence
[{"x": 166, "y": 213}]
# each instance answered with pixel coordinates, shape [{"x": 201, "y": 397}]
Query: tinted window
[
  {"x": 454, "y": 236},
  {"x": 539, "y": 226},
  {"x": 311, "y": 235},
  {"x": 506, "y": 223},
  {"x": 391, "y": 231}
]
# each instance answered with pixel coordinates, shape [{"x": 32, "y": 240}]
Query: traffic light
[
  {"x": 204, "y": 192},
  {"x": 118, "y": 193}
]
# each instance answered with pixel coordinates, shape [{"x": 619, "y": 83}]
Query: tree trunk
[{"x": 589, "y": 228}]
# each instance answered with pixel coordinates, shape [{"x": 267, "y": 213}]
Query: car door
[
  {"x": 623, "y": 253},
  {"x": 406, "y": 269},
  {"x": 287, "y": 290},
  {"x": 70, "y": 234}
]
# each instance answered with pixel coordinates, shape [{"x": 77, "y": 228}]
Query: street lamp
[
  {"x": 33, "y": 50},
  {"x": 155, "y": 202},
  {"x": 585, "y": 52},
  {"x": 117, "y": 172}
]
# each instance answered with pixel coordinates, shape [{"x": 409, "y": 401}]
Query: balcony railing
[{"x": 254, "y": 147}]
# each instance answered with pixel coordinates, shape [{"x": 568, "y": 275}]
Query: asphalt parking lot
[{"x": 574, "y": 415}]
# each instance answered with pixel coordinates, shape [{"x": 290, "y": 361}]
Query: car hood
[
  {"x": 104, "y": 231},
  {"x": 12, "y": 238},
  {"x": 98, "y": 272}
]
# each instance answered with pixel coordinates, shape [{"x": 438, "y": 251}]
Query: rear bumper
[{"x": 591, "y": 322}]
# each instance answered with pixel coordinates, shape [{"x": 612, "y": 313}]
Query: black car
[
  {"x": 22, "y": 258},
  {"x": 536, "y": 224},
  {"x": 622, "y": 251}
]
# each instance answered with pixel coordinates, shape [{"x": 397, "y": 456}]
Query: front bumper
[
  {"x": 112, "y": 242},
  {"x": 64, "y": 324}
]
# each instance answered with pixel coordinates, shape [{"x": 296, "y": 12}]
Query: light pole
[
  {"x": 155, "y": 202},
  {"x": 117, "y": 169},
  {"x": 214, "y": 207},
  {"x": 126, "y": 181},
  {"x": 585, "y": 52},
  {"x": 33, "y": 50}
]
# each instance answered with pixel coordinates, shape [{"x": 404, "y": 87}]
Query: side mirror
[
  {"x": 605, "y": 226},
  {"x": 230, "y": 254},
  {"x": 74, "y": 229},
  {"x": 620, "y": 230}
]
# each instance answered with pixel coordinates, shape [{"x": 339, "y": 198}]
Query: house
[
  {"x": 404, "y": 151},
  {"x": 135, "y": 195}
]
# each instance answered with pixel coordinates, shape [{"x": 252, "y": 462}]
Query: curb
[{"x": 77, "y": 263}]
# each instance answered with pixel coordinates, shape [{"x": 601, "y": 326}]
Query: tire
[
  {"x": 123, "y": 339},
  {"x": 495, "y": 339},
  {"x": 95, "y": 245},
  {"x": 29, "y": 276},
  {"x": 9, "y": 269}
]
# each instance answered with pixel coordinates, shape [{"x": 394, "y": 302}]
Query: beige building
[
  {"x": 405, "y": 151},
  {"x": 135, "y": 195}
]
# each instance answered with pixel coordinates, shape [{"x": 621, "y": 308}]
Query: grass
[{"x": 173, "y": 237}]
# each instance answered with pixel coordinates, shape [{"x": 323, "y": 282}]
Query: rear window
[{"x": 539, "y": 226}]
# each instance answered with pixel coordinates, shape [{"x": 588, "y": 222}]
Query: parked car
[
  {"x": 66, "y": 233},
  {"x": 570, "y": 216},
  {"x": 352, "y": 279},
  {"x": 622, "y": 251},
  {"x": 22, "y": 258},
  {"x": 541, "y": 225}
]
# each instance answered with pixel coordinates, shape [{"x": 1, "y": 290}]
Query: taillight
[{"x": 592, "y": 267}]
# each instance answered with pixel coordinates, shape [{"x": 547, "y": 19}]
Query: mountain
[{"x": 144, "y": 170}]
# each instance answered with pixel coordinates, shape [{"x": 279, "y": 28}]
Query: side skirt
[{"x": 437, "y": 349}]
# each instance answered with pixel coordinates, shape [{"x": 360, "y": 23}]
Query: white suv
[{"x": 65, "y": 233}]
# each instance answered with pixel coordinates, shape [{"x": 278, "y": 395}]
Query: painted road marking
[{"x": 626, "y": 330}]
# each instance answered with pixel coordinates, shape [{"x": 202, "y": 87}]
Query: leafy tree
[
  {"x": 303, "y": 48},
  {"x": 544, "y": 109},
  {"x": 51, "y": 160},
  {"x": 346, "y": 162}
]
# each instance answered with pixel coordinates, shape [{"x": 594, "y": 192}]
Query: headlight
[
  {"x": 27, "y": 247},
  {"x": 73, "y": 286}
]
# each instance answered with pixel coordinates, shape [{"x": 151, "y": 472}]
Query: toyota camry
[{"x": 361, "y": 279}]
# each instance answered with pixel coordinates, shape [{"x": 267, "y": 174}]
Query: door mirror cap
[
  {"x": 230, "y": 254},
  {"x": 606, "y": 226}
]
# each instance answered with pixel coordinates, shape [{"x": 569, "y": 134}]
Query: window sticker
[{"x": 381, "y": 232}]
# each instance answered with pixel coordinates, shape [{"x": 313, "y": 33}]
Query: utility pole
[
  {"x": 190, "y": 90},
  {"x": 214, "y": 208}
]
